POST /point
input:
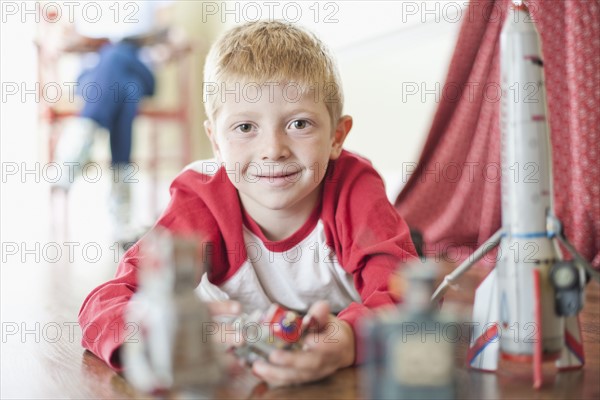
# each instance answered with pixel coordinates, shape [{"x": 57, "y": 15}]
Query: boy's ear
[
  {"x": 339, "y": 136},
  {"x": 208, "y": 128}
]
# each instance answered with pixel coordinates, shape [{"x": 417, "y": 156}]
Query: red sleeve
[
  {"x": 195, "y": 200},
  {"x": 370, "y": 238},
  {"x": 101, "y": 316}
]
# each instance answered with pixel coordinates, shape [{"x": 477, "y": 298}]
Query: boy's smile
[{"x": 276, "y": 144}]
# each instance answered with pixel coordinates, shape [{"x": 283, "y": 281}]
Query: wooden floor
[{"x": 42, "y": 356}]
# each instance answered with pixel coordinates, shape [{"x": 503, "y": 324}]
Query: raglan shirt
[{"x": 344, "y": 253}]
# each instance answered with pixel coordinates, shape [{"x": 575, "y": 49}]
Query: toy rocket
[{"x": 526, "y": 308}]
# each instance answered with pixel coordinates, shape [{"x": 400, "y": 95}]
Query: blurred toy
[
  {"x": 410, "y": 350},
  {"x": 170, "y": 351},
  {"x": 526, "y": 308},
  {"x": 277, "y": 328}
]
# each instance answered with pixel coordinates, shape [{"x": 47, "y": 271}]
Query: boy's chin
[{"x": 275, "y": 202}]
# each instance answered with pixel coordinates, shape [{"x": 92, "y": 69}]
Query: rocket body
[
  {"x": 526, "y": 308},
  {"x": 527, "y": 249}
]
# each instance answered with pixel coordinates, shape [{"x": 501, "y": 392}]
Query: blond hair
[{"x": 273, "y": 51}]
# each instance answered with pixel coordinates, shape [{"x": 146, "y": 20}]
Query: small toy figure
[
  {"x": 169, "y": 353},
  {"x": 407, "y": 351},
  {"x": 277, "y": 328}
]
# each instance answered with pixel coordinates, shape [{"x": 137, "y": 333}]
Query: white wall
[
  {"x": 381, "y": 70},
  {"x": 21, "y": 201}
]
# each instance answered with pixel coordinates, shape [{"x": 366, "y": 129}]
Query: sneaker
[{"x": 124, "y": 231}]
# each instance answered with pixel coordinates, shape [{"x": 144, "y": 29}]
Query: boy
[{"x": 290, "y": 216}]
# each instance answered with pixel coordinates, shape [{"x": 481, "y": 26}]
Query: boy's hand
[{"x": 324, "y": 352}]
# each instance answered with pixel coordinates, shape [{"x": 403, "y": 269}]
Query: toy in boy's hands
[
  {"x": 277, "y": 328},
  {"x": 329, "y": 347}
]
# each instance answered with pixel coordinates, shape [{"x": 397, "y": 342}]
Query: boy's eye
[
  {"x": 300, "y": 124},
  {"x": 244, "y": 128}
]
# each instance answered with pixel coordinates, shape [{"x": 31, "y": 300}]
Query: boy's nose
[{"x": 275, "y": 146}]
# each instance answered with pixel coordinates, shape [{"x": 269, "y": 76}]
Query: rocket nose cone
[
  {"x": 519, "y": 20},
  {"x": 520, "y": 5}
]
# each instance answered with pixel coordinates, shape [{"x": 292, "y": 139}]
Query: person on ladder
[{"x": 112, "y": 89}]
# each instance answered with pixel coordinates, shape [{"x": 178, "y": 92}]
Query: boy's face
[{"x": 276, "y": 144}]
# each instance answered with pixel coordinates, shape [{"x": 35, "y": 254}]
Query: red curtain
[{"x": 453, "y": 197}]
